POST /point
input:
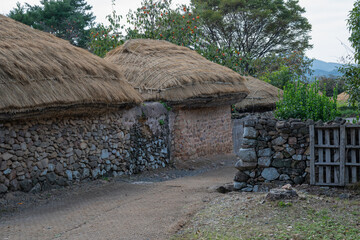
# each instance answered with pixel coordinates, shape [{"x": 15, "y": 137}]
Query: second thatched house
[
  {"x": 262, "y": 97},
  {"x": 199, "y": 92}
]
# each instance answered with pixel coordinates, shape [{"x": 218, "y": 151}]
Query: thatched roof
[
  {"x": 262, "y": 97},
  {"x": 162, "y": 71},
  {"x": 343, "y": 97},
  {"x": 40, "y": 73}
]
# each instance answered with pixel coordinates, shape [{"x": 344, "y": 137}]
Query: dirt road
[{"x": 117, "y": 210}]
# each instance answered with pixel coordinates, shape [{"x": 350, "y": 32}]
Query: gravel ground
[{"x": 151, "y": 205}]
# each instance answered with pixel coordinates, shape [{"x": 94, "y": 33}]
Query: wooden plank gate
[{"x": 334, "y": 155}]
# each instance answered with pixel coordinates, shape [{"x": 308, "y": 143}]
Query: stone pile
[
  {"x": 39, "y": 153},
  {"x": 273, "y": 150}
]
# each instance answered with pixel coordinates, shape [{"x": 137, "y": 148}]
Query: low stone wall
[
  {"x": 39, "y": 153},
  {"x": 200, "y": 132},
  {"x": 271, "y": 151}
]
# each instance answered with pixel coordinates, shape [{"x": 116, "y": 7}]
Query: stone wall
[
  {"x": 272, "y": 151},
  {"x": 39, "y": 153},
  {"x": 200, "y": 132}
]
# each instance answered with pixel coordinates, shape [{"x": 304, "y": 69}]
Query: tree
[
  {"x": 328, "y": 84},
  {"x": 351, "y": 70},
  {"x": 156, "y": 20},
  {"x": 255, "y": 28},
  {"x": 67, "y": 19}
]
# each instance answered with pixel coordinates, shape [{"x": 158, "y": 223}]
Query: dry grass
[
  {"x": 163, "y": 71},
  {"x": 248, "y": 216},
  {"x": 39, "y": 71}
]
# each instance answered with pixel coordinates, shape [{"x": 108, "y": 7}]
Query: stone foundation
[
  {"x": 39, "y": 153},
  {"x": 200, "y": 132}
]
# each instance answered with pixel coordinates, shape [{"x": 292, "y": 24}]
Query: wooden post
[
  {"x": 321, "y": 156},
  {"x": 312, "y": 155},
  {"x": 336, "y": 156},
  {"x": 342, "y": 154},
  {"x": 327, "y": 156}
]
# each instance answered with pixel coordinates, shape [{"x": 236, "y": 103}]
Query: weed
[
  {"x": 166, "y": 106},
  {"x": 161, "y": 122},
  {"x": 284, "y": 204}
]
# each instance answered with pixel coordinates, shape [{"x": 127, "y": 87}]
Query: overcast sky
[{"x": 328, "y": 19}]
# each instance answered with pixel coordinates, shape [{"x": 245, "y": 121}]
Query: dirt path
[{"x": 117, "y": 210}]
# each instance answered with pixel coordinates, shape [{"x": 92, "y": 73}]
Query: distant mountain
[{"x": 322, "y": 68}]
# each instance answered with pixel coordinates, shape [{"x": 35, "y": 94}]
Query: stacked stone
[
  {"x": 37, "y": 154},
  {"x": 273, "y": 151}
]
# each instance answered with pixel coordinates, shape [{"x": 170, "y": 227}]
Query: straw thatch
[
  {"x": 162, "y": 71},
  {"x": 41, "y": 73},
  {"x": 262, "y": 97},
  {"x": 343, "y": 97}
]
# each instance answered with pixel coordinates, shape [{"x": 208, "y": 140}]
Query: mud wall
[{"x": 200, "y": 132}]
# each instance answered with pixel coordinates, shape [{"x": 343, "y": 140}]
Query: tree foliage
[
  {"x": 255, "y": 28},
  {"x": 67, "y": 19},
  {"x": 351, "y": 70}
]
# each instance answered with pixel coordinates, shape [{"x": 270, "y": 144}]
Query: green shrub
[{"x": 305, "y": 101}]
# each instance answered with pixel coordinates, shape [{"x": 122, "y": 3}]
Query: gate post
[
  {"x": 312, "y": 155},
  {"x": 342, "y": 154}
]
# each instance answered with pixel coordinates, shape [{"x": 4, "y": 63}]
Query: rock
[
  {"x": 51, "y": 167},
  {"x": 250, "y": 132},
  {"x": 299, "y": 180},
  {"x": 249, "y": 188},
  {"x": 241, "y": 165},
  {"x": 264, "y": 152},
  {"x": 61, "y": 181},
  {"x": 250, "y": 123},
  {"x": 36, "y": 188},
  {"x": 86, "y": 173},
  {"x": 239, "y": 185},
  {"x": 69, "y": 175},
  {"x": 7, "y": 171},
  {"x": 284, "y": 177},
  {"x": 76, "y": 175},
  {"x": 249, "y": 142},
  {"x": 278, "y": 155},
  {"x": 292, "y": 140},
  {"x": 241, "y": 177},
  {"x": 270, "y": 174},
  {"x": 278, "y": 141},
  {"x": 14, "y": 185},
  {"x": 279, "y": 194},
  {"x": 256, "y": 188},
  {"x": 247, "y": 155},
  {"x": 290, "y": 151},
  {"x": 104, "y": 154},
  {"x": 83, "y": 145},
  {"x": 51, "y": 177},
  {"x": 297, "y": 157},
  {"x": 6, "y": 156},
  {"x": 95, "y": 172},
  {"x": 3, "y": 188},
  {"x": 59, "y": 168},
  {"x": 264, "y": 161},
  {"x": 26, "y": 185},
  {"x": 344, "y": 195}
]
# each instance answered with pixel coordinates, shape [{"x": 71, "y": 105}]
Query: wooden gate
[{"x": 334, "y": 155}]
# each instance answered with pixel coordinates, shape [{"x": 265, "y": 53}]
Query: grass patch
[{"x": 247, "y": 217}]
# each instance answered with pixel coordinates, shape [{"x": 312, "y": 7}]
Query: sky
[{"x": 327, "y": 17}]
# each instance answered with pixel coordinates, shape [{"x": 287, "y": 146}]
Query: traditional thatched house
[
  {"x": 40, "y": 73},
  {"x": 51, "y": 129},
  {"x": 262, "y": 97},
  {"x": 200, "y": 93},
  {"x": 343, "y": 97}
]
